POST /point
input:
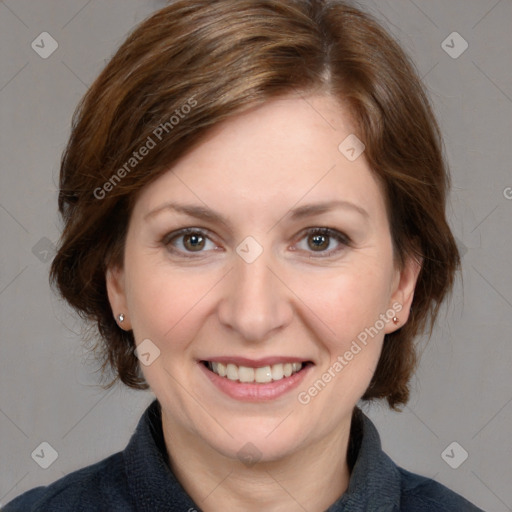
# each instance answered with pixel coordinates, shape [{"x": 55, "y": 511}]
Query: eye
[
  {"x": 188, "y": 240},
  {"x": 324, "y": 241}
]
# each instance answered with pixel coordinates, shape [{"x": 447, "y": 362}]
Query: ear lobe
[
  {"x": 114, "y": 279},
  {"x": 403, "y": 292}
]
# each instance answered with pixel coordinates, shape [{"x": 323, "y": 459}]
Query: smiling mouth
[{"x": 260, "y": 375}]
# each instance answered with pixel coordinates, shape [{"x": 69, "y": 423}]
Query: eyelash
[{"x": 340, "y": 237}]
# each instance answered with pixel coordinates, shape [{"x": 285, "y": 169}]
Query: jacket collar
[
  {"x": 153, "y": 486},
  {"x": 374, "y": 482}
]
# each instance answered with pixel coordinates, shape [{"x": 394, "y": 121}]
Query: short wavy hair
[{"x": 195, "y": 64}]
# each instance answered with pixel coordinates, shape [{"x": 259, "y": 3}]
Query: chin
[{"x": 259, "y": 440}]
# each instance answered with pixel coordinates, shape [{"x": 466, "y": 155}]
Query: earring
[
  {"x": 395, "y": 320},
  {"x": 120, "y": 317}
]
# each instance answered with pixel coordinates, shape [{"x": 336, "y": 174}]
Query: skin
[{"x": 291, "y": 301}]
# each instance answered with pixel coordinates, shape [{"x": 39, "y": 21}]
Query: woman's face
[{"x": 264, "y": 246}]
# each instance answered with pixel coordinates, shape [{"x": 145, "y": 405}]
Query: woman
[{"x": 253, "y": 196}]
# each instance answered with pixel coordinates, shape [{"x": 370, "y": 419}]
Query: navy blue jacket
[{"x": 139, "y": 479}]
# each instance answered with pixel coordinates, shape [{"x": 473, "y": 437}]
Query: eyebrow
[
  {"x": 199, "y": 212},
  {"x": 319, "y": 208},
  {"x": 309, "y": 210}
]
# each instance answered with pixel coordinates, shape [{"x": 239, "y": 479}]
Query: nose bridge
[{"x": 255, "y": 304}]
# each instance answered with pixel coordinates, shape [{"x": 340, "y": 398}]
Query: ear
[
  {"x": 403, "y": 288},
  {"x": 116, "y": 291}
]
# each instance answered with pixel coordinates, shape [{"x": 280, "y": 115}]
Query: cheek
[
  {"x": 164, "y": 303},
  {"x": 350, "y": 302},
  {"x": 352, "y": 311}
]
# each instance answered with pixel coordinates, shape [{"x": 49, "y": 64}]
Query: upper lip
[{"x": 256, "y": 363}]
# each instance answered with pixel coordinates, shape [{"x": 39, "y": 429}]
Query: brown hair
[{"x": 196, "y": 63}]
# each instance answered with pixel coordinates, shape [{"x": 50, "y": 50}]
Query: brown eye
[
  {"x": 318, "y": 242},
  {"x": 323, "y": 242},
  {"x": 187, "y": 241},
  {"x": 194, "y": 242}
]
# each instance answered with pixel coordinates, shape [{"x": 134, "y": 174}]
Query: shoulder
[
  {"x": 101, "y": 485},
  {"x": 377, "y": 483},
  {"x": 423, "y": 494}
]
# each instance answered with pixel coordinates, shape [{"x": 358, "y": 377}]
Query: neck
[{"x": 311, "y": 479}]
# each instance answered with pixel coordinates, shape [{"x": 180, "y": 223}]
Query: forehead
[{"x": 279, "y": 154}]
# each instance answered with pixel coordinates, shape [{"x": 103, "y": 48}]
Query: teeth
[
  {"x": 221, "y": 369},
  {"x": 263, "y": 374},
  {"x": 260, "y": 375},
  {"x": 232, "y": 372},
  {"x": 245, "y": 374},
  {"x": 277, "y": 372}
]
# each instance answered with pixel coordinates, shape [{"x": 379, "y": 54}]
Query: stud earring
[
  {"x": 395, "y": 320},
  {"x": 120, "y": 317}
]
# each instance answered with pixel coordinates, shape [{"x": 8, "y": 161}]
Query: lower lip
[{"x": 254, "y": 392}]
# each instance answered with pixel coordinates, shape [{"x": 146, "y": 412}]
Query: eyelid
[
  {"x": 341, "y": 238},
  {"x": 166, "y": 239},
  {"x": 169, "y": 237}
]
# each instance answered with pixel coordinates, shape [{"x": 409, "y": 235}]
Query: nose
[{"x": 255, "y": 304}]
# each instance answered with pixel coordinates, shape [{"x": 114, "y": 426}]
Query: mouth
[{"x": 256, "y": 374}]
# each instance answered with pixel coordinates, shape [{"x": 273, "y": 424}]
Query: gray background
[{"x": 463, "y": 389}]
